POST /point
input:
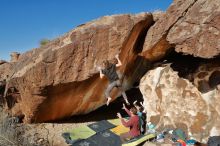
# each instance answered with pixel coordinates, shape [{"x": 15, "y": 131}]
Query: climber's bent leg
[
  {"x": 108, "y": 90},
  {"x": 119, "y": 85}
]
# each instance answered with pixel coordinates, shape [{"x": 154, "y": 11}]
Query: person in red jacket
[{"x": 133, "y": 123}]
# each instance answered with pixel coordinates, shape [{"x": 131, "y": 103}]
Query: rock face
[
  {"x": 174, "y": 102},
  {"x": 199, "y": 30},
  {"x": 190, "y": 26},
  {"x": 2, "y": 62},
  {"x": 61, "y": 78},
  {"x": 14, "y": 56},
  {"x": 5, "y": 69},
  {"x": 207, "y": 76}
]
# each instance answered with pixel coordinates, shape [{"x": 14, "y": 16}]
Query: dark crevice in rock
[
  {"x": 183, "y": 64},
  {"x": 135, "y": 41},
  {"x": 138, "y": 46},
  {"x": 214, "y": 79},
  {"x": 188, "y": 67},
  {"x": 12, "y": 97},
  {"x": 134, "y": 66},
  {"x": 142, "y": 66},
  {"x": 2, "y": 89}
]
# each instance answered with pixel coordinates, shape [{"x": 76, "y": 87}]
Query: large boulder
[
  {"x": 61, "y": 79},
  {"x": 189, "y": 26},
  {"x": 14, "y": 56},
  {"x": 6, "y": 69},
  {"x": 174, "y": 102},
  {"x": 198, "y": 32},
  {"x": 2, "y": 62}
]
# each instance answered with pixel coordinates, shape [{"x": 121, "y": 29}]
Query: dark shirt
[
  {"x": 133, "y": 123},
  {"x": 142, "y": 121},
  {"x": 111, "y": 73}
]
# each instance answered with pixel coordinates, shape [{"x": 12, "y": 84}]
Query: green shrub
[{"x": 44, "y": 42}]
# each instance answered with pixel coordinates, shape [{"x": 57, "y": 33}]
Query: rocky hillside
[{"x": 61, "y": 79}]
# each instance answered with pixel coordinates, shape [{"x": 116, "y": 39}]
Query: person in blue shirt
[{"x": 142, "y": 116}]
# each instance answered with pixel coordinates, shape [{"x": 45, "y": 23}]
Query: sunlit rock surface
[
  {"x": 173, "y": 102},
  {"x": 61, "y": 78},
  {"x": 188, "y": 26}
]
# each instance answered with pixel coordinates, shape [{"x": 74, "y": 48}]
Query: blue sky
[{"x": 23, "y": 23}]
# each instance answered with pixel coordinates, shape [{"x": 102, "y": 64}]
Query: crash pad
[
  {"x": 104, "y": 138},
  {"x": 115, "y": 122},
  {"x": 119, "y": 129},
  {"x": 81, "y": 132},
  {"x": 139, "y": 140},
  {"x": 101, "y": 126}
]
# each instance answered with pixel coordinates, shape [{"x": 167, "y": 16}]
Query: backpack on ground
[{"x": 214, "y": 141}]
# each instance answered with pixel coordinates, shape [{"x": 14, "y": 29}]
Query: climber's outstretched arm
[
  {"x": 119, "y": 61},
  {"x": 100, "y": 72}
]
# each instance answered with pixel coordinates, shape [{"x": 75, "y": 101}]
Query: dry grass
[{"x": 13, "y": 133}]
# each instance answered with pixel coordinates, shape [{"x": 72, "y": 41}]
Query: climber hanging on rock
[{"x": 109, "y": 70}]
